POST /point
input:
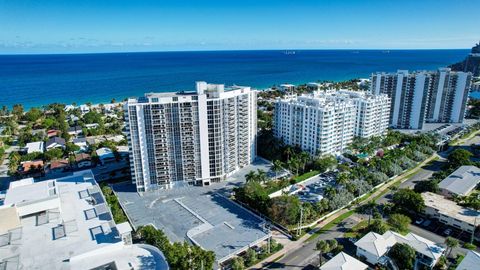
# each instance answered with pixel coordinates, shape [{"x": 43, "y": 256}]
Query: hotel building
[
  {"x": 424, "y": 96},
  {"x": 191, "y": 138},
  {"x": 325, "y": 123}
]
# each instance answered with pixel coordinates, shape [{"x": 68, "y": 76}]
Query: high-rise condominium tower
[
  {"x": 424, "y": 96},
  {"x": 325, "y": 123},
  {"x": 191, "y": 138}
]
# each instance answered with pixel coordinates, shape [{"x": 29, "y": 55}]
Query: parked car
[
  {"x": 447, "y": 232},
  {"x": 419, "y": 221},
  {"x": 426, "y": 223}
]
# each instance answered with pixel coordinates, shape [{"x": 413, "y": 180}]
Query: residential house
[
  {"x": 81, "y": 142},
  {"x": 32, "y": 168},
  {"x": 286, "y": 87},
  {"x": 83, "y": 160},
  {"x": 374, "y": 246},
  {"x": 448, "y": 212},
  {"x": 35, "y": 147},
  {"x": 470, "y": 262},
  {"x": 59, "y": 165},
  {"x": 53, "y": 133},
  {"x": 461, "y": 182},
  {"x": 343, "y": 261},
  {"x": 55, "y": 142},
  {"x": 105, "y": 155},
  {"x": 75, "y": 130}
]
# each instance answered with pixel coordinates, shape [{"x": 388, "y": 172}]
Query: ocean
[{"x": 35, "y": 80}]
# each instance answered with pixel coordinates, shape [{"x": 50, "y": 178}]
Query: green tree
[
  {"x": 238, "y": 263},
  {"x": 55, "y": 153},
  {"x": 407, "y": 200},
  {"x": 250, "y": 176},
  {"x": 451, "y": 243},
  {"x": 250, "y": 257},
  {"x": 459, "y": 157},
  {"x": 322, "y": 247},
  {"x": 399, "y": 222},
  {"x": 403, "y": 255},
  {"x": 378, "y": 226},
  {"x": 277, "y": 166},
  {"x": 325, "y": 163}
]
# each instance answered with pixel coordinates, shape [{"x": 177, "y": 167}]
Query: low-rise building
[
  {"x": 81, "y": 142},
  {"x": 83, "y": 160},
  {"x": 286, "y": 87},
  {"x": 75, "y": 130},
  {"x": 35, "y": 147},
  {"x": 66, "y": 224},
  {"x": 374, "y": 246},
  {"x": 343, "y": 261},
  {"x": 55, "y": 142},
  {"x": 53, "y": 133},
  {"x": 461, "y": 182},
  {"x": 59, "y": 165},
  {"x": 32, "y": 168},
  {"x": 448, "y": 212},
  {"x": 470, "y": 262},
  {"x": 105, "y": 155}
]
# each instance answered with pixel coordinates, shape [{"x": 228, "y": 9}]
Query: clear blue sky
[{"x": 60, "y": 26}]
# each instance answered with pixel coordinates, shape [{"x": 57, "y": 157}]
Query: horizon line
[{"x": 228, "y": 50}]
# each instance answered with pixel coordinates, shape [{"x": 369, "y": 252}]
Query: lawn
[{"x": 305, "y": 176}]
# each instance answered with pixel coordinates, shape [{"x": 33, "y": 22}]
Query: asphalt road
[{"x": 306, "y": 256}]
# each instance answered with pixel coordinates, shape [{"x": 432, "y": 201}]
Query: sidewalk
[{"x": 296, "y": 244}]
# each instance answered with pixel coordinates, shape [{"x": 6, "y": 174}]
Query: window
[{"x": 58, "y": 232}]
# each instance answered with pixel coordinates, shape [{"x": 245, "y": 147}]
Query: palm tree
[
  {"x": 369, "y": 207},
  {"x": 276, "y": 167},
  {"x": 451, "y": 243},
  {"x": 261, "y": 176},
  {"x": 322, "y": 246},
  {"x": 251, "y": 176},
  {"x": 288, "y": 151},
  {"x": 333, "y": 244},
  {"x": 304, "y": 158}
]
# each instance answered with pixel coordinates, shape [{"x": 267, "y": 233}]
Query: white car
[{"x": 419, "y": 221}]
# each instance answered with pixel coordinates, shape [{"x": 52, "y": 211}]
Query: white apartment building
[
  {"x": 191, "y": 138},
  {"x": 373, "y": 113},
  {"x": 424, "y": 96},
  {"x": 66, "y": 223},
  {"x": 325, "y": 123}
]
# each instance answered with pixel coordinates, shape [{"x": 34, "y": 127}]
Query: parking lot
[
  {"x": 313, "y": 189},
  {"x": 443, "y": 230}
]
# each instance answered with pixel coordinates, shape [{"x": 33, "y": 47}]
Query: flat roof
[
  {"x": 79, "y": 228},
  {"x": 449, "y": 208},
  {"x": 462, "y": 181},
  {"x": 30, "y": 191},
  {"x": 34, "y": 147},
  {"x": 196, "y": 214},
  {"x": 9, "y": 219}
]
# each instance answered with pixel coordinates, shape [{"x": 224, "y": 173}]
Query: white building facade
[
  {"x": 325, "y": 123},
  {"x": 191, "y": 138},
  {"x": 424, "y": 96}
]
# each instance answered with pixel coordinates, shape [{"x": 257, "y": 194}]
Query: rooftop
[
  {"x": 462, "y": 181},
  {"x": 450, "y": 208},
  {"x": 35, "y": 147},
  {"x": 70, "y": 228},
  {"x": 55, "y": 140},
  {"x": 195, "y": 214},
  {"x": 343, "y": 261},
  {"x": 378, "y": 244},
  {"x": 470, "y": 262}
]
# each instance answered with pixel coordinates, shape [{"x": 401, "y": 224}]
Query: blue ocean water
[{"x": 34, "y": 80}]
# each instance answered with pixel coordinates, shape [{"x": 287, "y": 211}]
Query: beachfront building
[
  {"x": 372, "y": 113},
  {"x": 424, "y": 96},
  {"x": 449, "y": 213},
  {"x": 191, "y": 138},
  {"x": 66, "y": 224},
  {"x": 470, "y": 262},
  {"x": 325, "y": 123},
  {"x": 373, "y": 247}
]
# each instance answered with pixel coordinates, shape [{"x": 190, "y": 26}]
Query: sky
[{"x": 76, "y": 26}]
